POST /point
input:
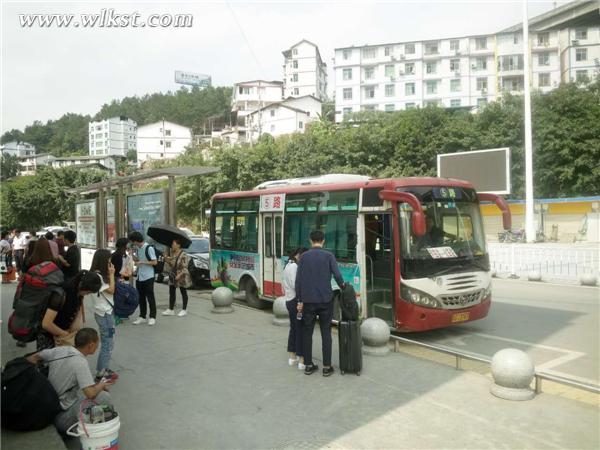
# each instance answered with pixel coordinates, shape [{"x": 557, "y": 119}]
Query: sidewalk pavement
[{"x": 209, "y": 381}]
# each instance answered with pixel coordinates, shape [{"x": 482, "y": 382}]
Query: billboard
[
  {"x": 111, "y": 228},
  {"x": 85, "y": 223},
  {"x": 488, "y": 170},
  {"x": 145, "y": 209},
  {"x": 192, "y": 79}
]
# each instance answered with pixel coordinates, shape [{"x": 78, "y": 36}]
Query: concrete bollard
[
  {"x": 513, "y": 372},
  {"x": 281, "y": 317},
  {"x": 375, "y": 336},
  {"x": 493, "y": 273},
  {"x": 588, "y": 279},
  {"x": 222, "y": 299},
  {"x": 534, "y": 275}
]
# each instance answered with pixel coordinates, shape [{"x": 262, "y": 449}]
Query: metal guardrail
[{"x": 539, "y": 376}]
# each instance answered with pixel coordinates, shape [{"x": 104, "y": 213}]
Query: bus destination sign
[{"x": 272, "y": 203}]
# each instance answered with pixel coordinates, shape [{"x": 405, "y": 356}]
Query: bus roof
[{"x": 387, "y": 183}]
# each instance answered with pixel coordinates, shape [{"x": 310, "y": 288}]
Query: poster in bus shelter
[
  {"x": 111, "y": 225},
  {"x": 85, "y": 222},
  {"x": 145, "y": 209}
]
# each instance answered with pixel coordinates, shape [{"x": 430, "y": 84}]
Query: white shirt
[
  {"x": 100, "y": 300},
  {"x": 19, "y": 243},
  {"x": 289, "y": 281}
]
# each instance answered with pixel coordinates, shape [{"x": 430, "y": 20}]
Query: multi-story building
[
  {"x": 304, "y": 72},
  {"x": 30, "y": 163},
  {"x": 115, "y": 137},
  {"x": 106, "y": 163},
  {"x": 469, "y": 71},
  {"x": 18, "y": 149},
  {"x": 285, "y": 117},
  {"x": 162, "y": 140}
]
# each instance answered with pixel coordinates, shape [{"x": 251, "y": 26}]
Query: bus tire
[{"x": 252, "y": 298}]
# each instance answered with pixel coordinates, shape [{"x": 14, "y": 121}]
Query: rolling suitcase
[{"x": 350, "y": 344}]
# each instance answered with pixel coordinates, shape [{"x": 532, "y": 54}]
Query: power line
[{"x": 247, "y": 41}]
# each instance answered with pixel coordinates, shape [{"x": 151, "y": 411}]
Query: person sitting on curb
[{"x": 71, "y": 378}]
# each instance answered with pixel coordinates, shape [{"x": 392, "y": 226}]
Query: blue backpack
[{"x": 126, "y": 299}]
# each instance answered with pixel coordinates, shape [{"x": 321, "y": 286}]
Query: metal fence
[{"x": 558, "y": 261}]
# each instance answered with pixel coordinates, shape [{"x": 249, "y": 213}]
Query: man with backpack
[
  {"x": 70, "y": 376},
  {"x": 145, "y": 260}
]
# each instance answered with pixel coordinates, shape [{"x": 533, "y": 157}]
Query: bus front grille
[{"x": 462, "y": 300}]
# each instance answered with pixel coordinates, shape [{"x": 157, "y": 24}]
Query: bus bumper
[{"x": 417, "y": 318}]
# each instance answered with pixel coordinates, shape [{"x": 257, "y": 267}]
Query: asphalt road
[{"x": 557, "y": 325}]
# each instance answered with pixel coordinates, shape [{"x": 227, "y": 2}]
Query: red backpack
[{"x": 31, "y": 300}]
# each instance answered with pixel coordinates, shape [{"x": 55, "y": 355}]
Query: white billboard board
[
  {"x": 488, "y": 170},
  {"x": 192, "y": 79}
]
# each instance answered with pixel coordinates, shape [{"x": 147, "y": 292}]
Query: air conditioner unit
[
  {"x": 401, "y": 73},
  {"x": 394, "y": 58},
  {"x": 474, "y": 66},
  {"x": 457, "y": 73},
  {"x": 484, "y": 91},
  {"x": 457, "y": 52},
  {"x": 392, "y": 78},
  {"x": 402, "y": 57},
  {"x": 575, "y": 42}
]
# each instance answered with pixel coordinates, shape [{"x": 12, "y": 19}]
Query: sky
[{"x": 47, "y": 72}]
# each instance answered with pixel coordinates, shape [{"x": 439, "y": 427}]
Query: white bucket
[{"x": 100, "y": 436}]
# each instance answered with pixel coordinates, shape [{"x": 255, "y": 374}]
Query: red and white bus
[{"x": 414, "y": 248}]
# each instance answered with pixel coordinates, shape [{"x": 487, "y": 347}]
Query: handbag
[{"x": 173, "y": 272}]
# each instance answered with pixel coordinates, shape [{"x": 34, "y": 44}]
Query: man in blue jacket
[{"x": 313, "y": 289}]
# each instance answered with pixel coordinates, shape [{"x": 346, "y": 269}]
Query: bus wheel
[{"x": 252, "y": 298}]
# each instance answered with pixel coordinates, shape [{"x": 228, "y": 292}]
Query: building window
[
  {"x": 369, "y": 73},
  {"x": 390, "y": 90},
  {"x": 369, "y": 53},
  {"x": 347, "y": 93},
  {"x": 454, "y": 45},
  {"x": 300, "y": 125},
  {"x": 347, "y": 54},
  {"x": 347, "y": 74},
  {"x": 455, "y": 86},
  {"x": 431, "y": 103},
  {"x": 272, "y": 113},
  {"x": 544, "y": 79},
  {"x": 431, "y": 67},
  {"x": 296, "y": 91},
  {"x": 482, "y": 84},
  {"x": 432, "y": 48},
  {"x": 389, "y": 70},
  {"x": 480, "y": 43},
  {"x": 581, "y": 54},
  {"x": 388, "y": 51},
  {"x": 167, "y": 133},
  {"x": 160, "y": 142},
  {"x": 389, "y": 108},
  {"x": 409, "y": 68},
  {"x": 510, "y": 62},
  {"x": 481, "y": 102},
  {"x": 431, "y": 87},
  {"x": 370, "y": 92},
  {"x": 295, "y": 64},
  {"x": 368, "y": 108},
  {"x": 516, "y": 38},
  {"x": 581, "y": 33},
  {"x": 409, "y": 49},
  {"x": 347, "y": 111},
  {"x": 481, "y": 63},
  {"x": 513, "y": 84},
  {"x": 543, "y": 39},
  {"x": 409, "y": 89},
  {"x": 295, "y": 77},
  {"x": 294, "y": 51},
  {"x": 272, "y": 128},
  {"x": 544, "y": 59},
  {"x": 455, "y": 103},
  {"x": 455, "y": 65},
  {"x": 168, "y": 144},
  {"x": 581, "y": 76}
]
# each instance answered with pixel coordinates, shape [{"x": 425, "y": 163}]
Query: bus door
[
  {"x": 272, "y": 239},
  {"x": 379, "y": 262}
]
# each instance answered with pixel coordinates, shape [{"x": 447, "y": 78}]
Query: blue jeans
[{"x": 106, "y": 327}]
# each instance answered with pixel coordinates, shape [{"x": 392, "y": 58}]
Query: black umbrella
[{"x": 166, "y": 234}]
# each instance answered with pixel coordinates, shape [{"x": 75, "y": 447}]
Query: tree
[{"x": 9, "y": 167}]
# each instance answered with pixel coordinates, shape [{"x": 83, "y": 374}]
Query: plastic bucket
[{"x": 99, "y": 436}]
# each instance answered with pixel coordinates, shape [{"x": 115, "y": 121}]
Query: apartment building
[
  {"x": 18, "y": 149},
  {"x": 304, "y": 72},
  {"x": 106, "y": 163},
  {"x": 162, "y": 140},
  {"x": 115, "y": 137},
  {"x": 469, "y": 71},
  {"x": 29, "y": 164}
]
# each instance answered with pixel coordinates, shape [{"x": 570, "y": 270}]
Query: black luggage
[
  {"x": 350, "y": 343},
  {"x": 348, "y": 303}
]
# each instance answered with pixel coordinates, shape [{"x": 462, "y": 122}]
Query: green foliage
[
  {"x": 31, "y": 202},
  {"x": 9, "y": 167}
]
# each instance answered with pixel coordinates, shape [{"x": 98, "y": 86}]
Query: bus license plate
[{"x": 460, "y": 317}]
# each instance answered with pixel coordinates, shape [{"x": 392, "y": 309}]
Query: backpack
[
  {"x": 348, "y": 303},
  {"x": 29, "y": 402},
  {"x": 31, "y": 300},
  {"x": 126, "y": 299}
]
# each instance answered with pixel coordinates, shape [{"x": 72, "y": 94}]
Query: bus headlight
[{"x": 418, "y": 298}]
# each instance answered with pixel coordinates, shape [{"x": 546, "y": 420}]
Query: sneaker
[
  {"x": 139, "y": 320},
  {"x": 292, "y": 361},
  {"x": 310, "y": 369},
  {"x": 168, "y": 312},
  {"x": 152, "y": 322},
  {"x": 182, "y": 313},
  {"x": 301, "y": 366},
  {"x": 327, "y": 371}
]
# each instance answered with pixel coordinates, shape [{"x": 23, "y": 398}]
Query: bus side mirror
[
  {"x": 418, "y": 223},
  {"x": 501, "y": 204}
]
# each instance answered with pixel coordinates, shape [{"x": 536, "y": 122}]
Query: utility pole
[{"x": 529, "y": 212}]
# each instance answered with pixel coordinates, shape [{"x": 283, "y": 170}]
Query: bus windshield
[{"x": 454, "y": 240}]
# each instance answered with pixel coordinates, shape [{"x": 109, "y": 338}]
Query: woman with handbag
[{"x": 179, "y": 277}]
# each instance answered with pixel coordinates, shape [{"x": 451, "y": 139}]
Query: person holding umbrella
[
  {"x": 145, "y": 260},
  {"x": 179, "y": 277}
]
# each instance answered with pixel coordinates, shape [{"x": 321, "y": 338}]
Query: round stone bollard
[
  {"x": 494, "y": 274},
  {"x": 222, "y": 299},
  {"x": 513, "y": 372},
  {"x": 534, "y": 275},
  {"x": 281, "y": 317},
  {"x": 588, "y": 279},
  {"x": 375, "y": 336}
]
